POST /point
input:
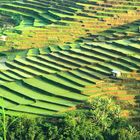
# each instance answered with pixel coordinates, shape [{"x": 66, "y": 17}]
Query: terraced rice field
[
  {"x": 40, "y": 12},
  {"x": 58, "y": 20},
  {"x": 98, "y": 37},
  {"x": 58, "y": 80}
]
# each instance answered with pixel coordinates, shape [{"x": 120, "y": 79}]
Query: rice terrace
[{"x": 57, "y": 54}]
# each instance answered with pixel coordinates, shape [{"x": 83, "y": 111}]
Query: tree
[{"x": 97, "y": 119}]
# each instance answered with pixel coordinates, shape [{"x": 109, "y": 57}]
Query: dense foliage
[{"x": 96, "y": 120}]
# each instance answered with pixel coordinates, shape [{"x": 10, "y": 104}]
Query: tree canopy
[{"x": 99, "y": 119}]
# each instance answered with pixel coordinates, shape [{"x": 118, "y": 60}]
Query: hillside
[
  {"x": 43, "y": 23},
  {"x": 58, "y": 54}
]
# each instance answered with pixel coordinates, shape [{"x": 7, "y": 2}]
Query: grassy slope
[
  {"x": 55, "y": 34},
  {"x": 72, "y": 75}
]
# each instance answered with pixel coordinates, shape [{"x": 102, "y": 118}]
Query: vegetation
[
  {"x": 48, "y": 22},
  {"x": 76, "y": 71},
  {"x": 56, "y": 55},
  {"x": 98, "y": 119}
]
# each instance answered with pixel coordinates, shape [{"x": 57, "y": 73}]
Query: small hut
[{"x": 116, "y": 74}]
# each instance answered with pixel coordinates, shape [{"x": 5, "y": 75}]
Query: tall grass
[
  {"x": 3, "y": 120},
  {"x": 4, "y": 123}
]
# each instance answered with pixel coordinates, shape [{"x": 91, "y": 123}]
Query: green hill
[{"x": 58, "y": 54}]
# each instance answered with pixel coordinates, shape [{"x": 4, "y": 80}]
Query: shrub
[{"x": 99, "y": 119}]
